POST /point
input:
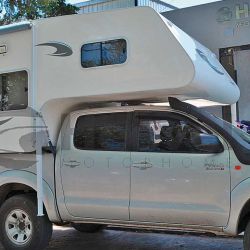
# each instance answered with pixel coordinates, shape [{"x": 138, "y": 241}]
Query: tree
[
  {"x": 18, "y": 10},
  {"x": 59, "y": 8}
]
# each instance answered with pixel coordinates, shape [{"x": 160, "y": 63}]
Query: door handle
[
  {"x": 71, "y": 164},
  {"x": 142, "y": 165}
]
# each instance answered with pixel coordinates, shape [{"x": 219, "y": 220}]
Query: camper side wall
[{"x": 16, "y": 127}]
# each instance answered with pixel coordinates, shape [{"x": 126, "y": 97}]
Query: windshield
[{"x": 235, "y": 132}]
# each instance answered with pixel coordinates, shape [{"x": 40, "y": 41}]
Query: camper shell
[{"x": 159, "y": 60}]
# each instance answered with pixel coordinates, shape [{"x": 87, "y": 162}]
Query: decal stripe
[{"x": 62, "y": 49}]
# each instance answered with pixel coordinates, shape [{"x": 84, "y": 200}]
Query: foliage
[
  {"x": 59, "y": 8},
  {"x": 18, "y": 10}
]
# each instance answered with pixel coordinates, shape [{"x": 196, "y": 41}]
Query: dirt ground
[{"x": 69, "y": 239}]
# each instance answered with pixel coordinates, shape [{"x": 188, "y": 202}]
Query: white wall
[
  {"x": 205, "y": 24},
  {"x": 221, "y": 25}
]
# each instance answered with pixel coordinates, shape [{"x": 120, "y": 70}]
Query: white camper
[
  {"x": 53, "y": 146},
  {"x": 63, "y": 62}
]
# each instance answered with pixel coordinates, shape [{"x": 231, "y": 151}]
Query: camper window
[
  {"x": 104, "y": 53},
  {"x": 13, "y": 90}
]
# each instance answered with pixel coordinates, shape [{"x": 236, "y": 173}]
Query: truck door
[
  {"x": 95, "y": 166},
  {"x": 172, "y": 182}
]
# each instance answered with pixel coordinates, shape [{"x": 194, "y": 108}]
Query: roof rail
[{"x": 15, "y": 27}]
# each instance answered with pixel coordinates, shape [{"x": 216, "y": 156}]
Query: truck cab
[
  {"x": 136, "y": 166},
  {"x": 146, "y": 165}
]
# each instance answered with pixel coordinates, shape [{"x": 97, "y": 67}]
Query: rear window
[{"x": 105, "y": 132}]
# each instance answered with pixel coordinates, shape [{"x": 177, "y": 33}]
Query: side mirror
[{"x": 206, "y": 143}]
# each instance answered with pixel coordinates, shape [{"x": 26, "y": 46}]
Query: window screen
[
  {"x": 166, "y": 135},
  {"x": 104, "y": 53},
  {"x": 14, "y": 90},
  {"x": 101, "y": 132}
]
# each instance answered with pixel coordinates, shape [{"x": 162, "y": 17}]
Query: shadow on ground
[{"x": 65, "y": 238}]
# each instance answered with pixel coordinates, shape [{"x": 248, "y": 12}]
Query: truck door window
[
  {"x": 13, "y": 90},
  {"x": 105, "y": 132},
  {"x": 168, "y": 134}
]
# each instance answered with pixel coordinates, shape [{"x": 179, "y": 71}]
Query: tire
[
  {"x": 87, "y": 228},
  {"x": 14, "y": 234},
  {"x": 246, "y": 239}
]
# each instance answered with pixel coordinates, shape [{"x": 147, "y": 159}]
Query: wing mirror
[{"x": 206, "y": 143}]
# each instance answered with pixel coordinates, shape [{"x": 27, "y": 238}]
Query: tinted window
[
  {"x": 234, "y": 131},
  {"x": 104, "y": 53},
  {"x": 14, "y": 90},
  {"x": 171, "y": 134},
  {"x": 101, "y": 132}
]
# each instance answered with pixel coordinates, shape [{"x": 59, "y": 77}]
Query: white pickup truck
[
  {"x": 132, "y": 166},
  {"x": 139, "y": 166}
]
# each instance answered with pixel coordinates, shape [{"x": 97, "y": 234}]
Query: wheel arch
[
  {"x": 19, "y": 181},
  {"x": 244, "y": 217},
  {"x": 240, "y": 208}
]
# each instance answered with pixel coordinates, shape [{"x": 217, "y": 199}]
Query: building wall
[
  {"x": 223, "y": 25},
  {"x": 103, "y": 5},
  {"x": 216, "y": 25},
  {"x": 97, "y": 6}
]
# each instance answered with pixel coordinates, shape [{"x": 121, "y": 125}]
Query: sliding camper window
[
  {"x": 13, "y": 90},
  {"x": 104, "y": 53}
]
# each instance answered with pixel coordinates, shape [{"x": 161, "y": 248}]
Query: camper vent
[{"x": 3, "y": 49}]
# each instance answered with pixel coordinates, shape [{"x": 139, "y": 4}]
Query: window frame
[
  {"x": 105, "y": 41},
  {"x": 28, "y": 89},
  {"x": 163, "y": 115},
  {"x": 128, "y": 123}
]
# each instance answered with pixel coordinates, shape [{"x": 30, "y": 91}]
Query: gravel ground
[{"x": 69, "y": 239}]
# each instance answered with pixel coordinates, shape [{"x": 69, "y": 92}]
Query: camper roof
[{"x": 10, "y": 28}]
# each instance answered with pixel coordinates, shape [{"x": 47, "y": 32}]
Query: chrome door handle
[
  {"x": 142, "y": 165},
  {"x": 71, "y": 164}
]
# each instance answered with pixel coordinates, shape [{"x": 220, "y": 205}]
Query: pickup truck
[{"x": 132, "y": 166}]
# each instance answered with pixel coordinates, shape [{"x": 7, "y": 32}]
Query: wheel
[
  {"x": 20, "y": 228},
  {"x": 246, "y": 239},
  {"x": 87, "y": 228}
]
